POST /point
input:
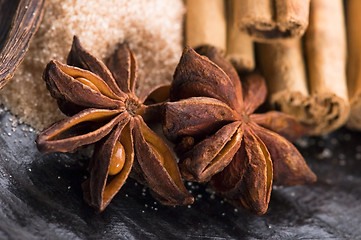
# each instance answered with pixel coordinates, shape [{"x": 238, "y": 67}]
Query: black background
[{"x": 41, "y": 198}]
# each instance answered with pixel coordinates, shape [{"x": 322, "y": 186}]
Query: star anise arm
[
  {"x": 213, "y": 154},
  {"x": 289, "y": 167},
  {"x": 228, "y": 181},
  {"x": 79, "y": 87},
  {"x": 84, "y": 128},
  {"x": 197, "y": 76},
  {"x": 158, "y": 166},
  {"x": 251, "y": 186},
  {"x": 124, "y": 68},
  {"x": 110, "y": 167},
  {"x": 281, "y": 123},
  {"x": 215, "y": 56},
  {"x": 254, "y": 92},
  {"x": 259, "y": 175},
  {"x": 153, "y": 102},
  {"x": 81, "y": 58},
  {"x": 156, "y": 95},
  {"x": 195, "y": 117}
]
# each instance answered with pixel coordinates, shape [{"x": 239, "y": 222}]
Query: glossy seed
[
  {"x": 87, "y": 83},
  {"x": 117, "y": 160}
]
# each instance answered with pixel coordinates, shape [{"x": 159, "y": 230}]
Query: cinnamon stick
[
  {"x": 240, "y": 49},
  {"x": 325, "y": 42},
  {"x": 283, "y": 66},
  {"x": 206, "y": 23},
  {"x": 266, "y": 20},
  {"x": 354, "y": 62},
  {"x": 318, "y": 98}
]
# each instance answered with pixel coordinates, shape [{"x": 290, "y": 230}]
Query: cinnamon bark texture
[
  {"x": 266, "y": 20},
  {"x": 354, "y": 62},
  {"x": 318, "y": 99},
  {"x": 240, "y": 50},
  {"x": 206, "y": 23},
  {"x": 325, "y": 42}
]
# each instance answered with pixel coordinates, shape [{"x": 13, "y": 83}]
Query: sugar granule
[{"x": 153, "y": 30}]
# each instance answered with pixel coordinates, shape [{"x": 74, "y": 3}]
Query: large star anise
[
  {"x": 241, "y": 154},
  {"x": 104, "y": 110}
]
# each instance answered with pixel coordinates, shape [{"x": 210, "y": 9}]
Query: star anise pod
[
  {"x": 105, "y": 110},
  {"x": 241, "y": 155}
]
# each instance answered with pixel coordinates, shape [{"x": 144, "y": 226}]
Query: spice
[
  {"x": 271, "y": 20},
  {"x": 242, "y": 155},
  {"x": 19, "y": 21},
  {"x": 325, "y": 51},
  {"x": 239, "y": 44},
  {"x": 353, "y": 18},
  {"x": 105, "y": 110},
  {"x": 101, "y": 25},
  {"x": 206, "y": 23},
  {"x": 308, "y": 80}
]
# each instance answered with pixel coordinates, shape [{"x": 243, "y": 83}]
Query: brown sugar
[{"x": 153, "y": 30}]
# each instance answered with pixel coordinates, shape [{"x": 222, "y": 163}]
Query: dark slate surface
[{"x": 40, "y": 198}]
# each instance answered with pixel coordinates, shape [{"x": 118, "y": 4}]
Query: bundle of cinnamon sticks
[{"x": 301, "y": 48}]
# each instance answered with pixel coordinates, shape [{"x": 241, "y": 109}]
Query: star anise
[
  {"x": 105, "y": 110},
  {"x": 241, "y": 155}
]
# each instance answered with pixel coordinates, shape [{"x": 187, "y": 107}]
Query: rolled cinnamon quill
[
  {"x": 283, "y": 66},
  {"x": 206, "y": 23},
  {"x": 266, "y": 20},
  {"x": 325, "y": 42},
  {"x": 354, "y": 62},
  {"x": 318, "y": 98},
  {"x": 240, "y": 49}
]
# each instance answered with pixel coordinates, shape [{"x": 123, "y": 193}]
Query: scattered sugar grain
[
  {"x": 334, "y": 141},
  {"x": 342, "y": 162},
  {"x": 326, "y": 153},
  {"x": 302, "y": 142}
]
